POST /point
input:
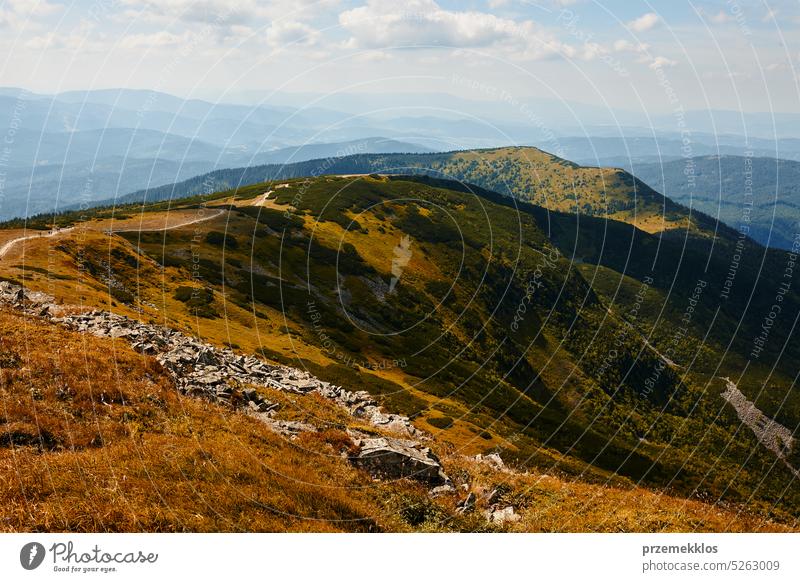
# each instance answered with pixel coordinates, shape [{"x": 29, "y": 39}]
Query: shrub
[
  {"x": 199, "y": 300},
  {"x": 442, "y": 422},
  {"x": 220, "y": 239}
]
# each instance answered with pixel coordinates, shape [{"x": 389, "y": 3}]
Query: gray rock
[
  {"x": 267, "y": 407},
  {"x": 289, "y": 428},
  {"x": 395, "y": 458},
  {"x": 203, "y": 371},
  {"x": 494, "y": 497},
  {"x": 493, "y": 460}
]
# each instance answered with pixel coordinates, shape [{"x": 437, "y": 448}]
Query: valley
[
  {"x": 755, "y": 194},
  {"x": 399, "y": 267},
  {"x": 307, "y": 425}
]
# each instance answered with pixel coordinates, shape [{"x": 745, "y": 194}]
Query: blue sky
[{"x": 641, "y": 56}]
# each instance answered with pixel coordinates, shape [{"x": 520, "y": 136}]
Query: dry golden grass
[
  {"x": 11, "y": 233},
  {"x": 47, "y": 258},
  {"x": 94, "y": 438},
  {"x": 171, "y": 219},
  {"x": 549, "y": 503},
  {"x": 563, "y": 186}
]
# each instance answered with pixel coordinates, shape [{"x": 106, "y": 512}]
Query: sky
[{"x": 647, "y": 57}]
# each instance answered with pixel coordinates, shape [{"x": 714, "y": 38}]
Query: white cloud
[
  {"x": 774, "y": 67},
  {"x": 291, "y": 33},
  {"x": 77, "y": 40},
  {"x": 213, "y": 12},
  {"x": 423, "y": 23},
  {"x": 626, "y": 46},
  {"x": 593, "y": 50},
  {"x": 32, "y": 7},
  {"x": 373, "y": 57},
  {"x": 279, "y": 22},
  {"x": 42, "y": 42},
  {"x": 660, "y": 62},
  {"x": 645, "y": 22},
  {"x": 224, "y": 13},
  {"x": 720, "y": 17},
  {"x": 17, "y": 13}
]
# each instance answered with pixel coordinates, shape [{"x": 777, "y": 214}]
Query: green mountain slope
[{"x": 571, "y": 343}]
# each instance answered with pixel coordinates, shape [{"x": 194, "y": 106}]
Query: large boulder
[{"x": 389, "y": 458}]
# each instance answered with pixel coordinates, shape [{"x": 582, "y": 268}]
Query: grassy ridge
[{"x": 525, "y": 173}]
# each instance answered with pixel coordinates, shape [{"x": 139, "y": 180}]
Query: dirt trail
[
  {"x": 10, "y": 244},
  {"x": 219, "y": 212},
  {"x": 263, "y": 199},
  {"x": 260, "y": 200}
]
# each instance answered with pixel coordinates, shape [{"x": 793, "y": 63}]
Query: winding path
[{"x": 10, "y": 244}]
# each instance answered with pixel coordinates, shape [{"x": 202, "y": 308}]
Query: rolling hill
[
  {"x": 142, "y": 457},
  {"x": 524, "y": 173}
]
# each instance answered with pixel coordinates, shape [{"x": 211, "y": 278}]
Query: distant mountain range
[
  {"x": 83, "y": 147},
  {"x": 631, "y": 150},
  {"x": 80, "y": 147},
  {"x": 55, "y": 170}
]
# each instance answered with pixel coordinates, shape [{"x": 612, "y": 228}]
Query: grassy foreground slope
[
  {"x": 497, "y": 325},
  {"x": 102, "y": 442},
  {"x": 93, "y": 437}
]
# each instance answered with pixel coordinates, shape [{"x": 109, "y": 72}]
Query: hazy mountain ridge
[
  {"x": 718, "y": 186},
  {"x": 152, "y": 127},
  {"x": 54, "y": 171},
  {"x": 70, "y": 143}
]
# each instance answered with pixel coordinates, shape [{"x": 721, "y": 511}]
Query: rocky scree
[{"x": 201, "y": 370}]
